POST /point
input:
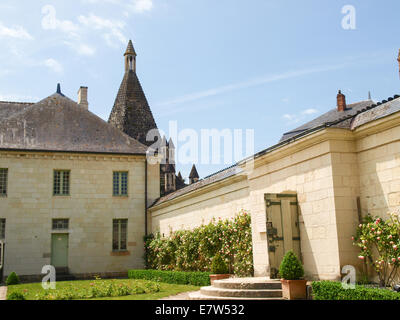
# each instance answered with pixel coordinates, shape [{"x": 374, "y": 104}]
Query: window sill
[
  {"x": 120, "y": 253},
  {"x": 120, "y": 197}
]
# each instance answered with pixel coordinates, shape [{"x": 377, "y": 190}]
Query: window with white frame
[
  {"x": 61, "y": 182},
  {"x": 120, "y": 234},
  {"x": 120, "y": 184}
]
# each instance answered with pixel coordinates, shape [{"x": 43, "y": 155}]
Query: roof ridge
[{"x": 16, "y": 102}]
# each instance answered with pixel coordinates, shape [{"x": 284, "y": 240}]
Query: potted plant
[
  {"x": 219, "y": 269},
  {"x": 292, "y": 272}
]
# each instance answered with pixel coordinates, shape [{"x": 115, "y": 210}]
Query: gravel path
[
  {"x": 3, "y": 293},
  {"x": 181, "y": 296}
]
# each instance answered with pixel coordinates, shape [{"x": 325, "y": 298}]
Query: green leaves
[
  {"x": 218, "y": 265},
  {"x": 176, "y": 277},
  {"x": 12, "y": 279},
  {"x": 291, "y": 268},
  {"x": 193, "y": 250},
  {"x": 330, "y": 290},
  {"x": 379, "y": 243}
]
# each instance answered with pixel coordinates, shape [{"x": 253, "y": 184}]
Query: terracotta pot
[
  {"x": 214, "y": 277},
  {"x": 294, "y": 289}
]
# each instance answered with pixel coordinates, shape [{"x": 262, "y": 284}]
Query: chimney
[
  {"x": 341, "y": 102},
  {"x": 83, "y": 97}
]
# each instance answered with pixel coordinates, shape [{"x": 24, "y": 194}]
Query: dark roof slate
[
  {"x": 131, "y": 112},
  {"x": 59, "y": 124},
  {"x": 359, "y": 114},
  {"x": 328, "y": 117},
  {"x": 377, "y": 112},
  {"x": 7, "y": 109},
  {"x": 219, "y": 176}
]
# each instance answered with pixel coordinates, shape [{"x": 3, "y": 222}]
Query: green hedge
[
  {"x": 176, "y": 277},
  {"x": 330, "y": 290}
]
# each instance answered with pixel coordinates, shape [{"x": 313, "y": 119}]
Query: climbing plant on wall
[{"x": 193, "y": 250}]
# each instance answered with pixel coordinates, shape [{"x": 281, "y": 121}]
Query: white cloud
[
  {"x": 53, "y": 65},
  {"x": 135, "y": 6},
  {"x": 293, "y": 118},
  {"x": 140, "y": 6},
  {"x": 18, "y": 98},
  {"x": 50, "y": 22},
  {"x": 250, "y": 83},
  {"x": 309, "y": 111},
  {"x": 16, "y": 32},
  {"x": 112, "y": 29}
]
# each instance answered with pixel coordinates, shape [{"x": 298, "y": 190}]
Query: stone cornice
[
  {"x": 201, "y": 191},
  {"x": 68, "y": 156}
]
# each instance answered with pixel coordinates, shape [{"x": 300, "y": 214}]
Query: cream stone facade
[
  {"x": 90, "y": 208},
  {"x": 333, "y": 170},
  {"x": 338, "y": 176}
]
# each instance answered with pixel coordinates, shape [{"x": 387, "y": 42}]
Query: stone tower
[
  {"x": 132, "y": 115},
  {"x": 131, "y": 112}
]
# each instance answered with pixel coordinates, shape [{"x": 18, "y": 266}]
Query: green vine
[{"x": 193, "y": 250}]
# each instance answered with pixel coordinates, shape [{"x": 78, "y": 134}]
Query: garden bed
[{"x": 121, "y": 289}]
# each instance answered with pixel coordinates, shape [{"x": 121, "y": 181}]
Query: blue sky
[{"x": 261, "y": 64}]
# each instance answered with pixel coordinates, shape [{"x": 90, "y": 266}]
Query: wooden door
[
  {"x": 283, "y": 232},
  {"x": 59, "y": 250}
]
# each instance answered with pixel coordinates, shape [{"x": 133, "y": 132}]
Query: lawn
[{"x": 145, "y": 290}]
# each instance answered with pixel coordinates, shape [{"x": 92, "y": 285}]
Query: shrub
[
  {"x": 379, "y": 242},
  {"x": 15, "y": 296},
  {"x": 218, "y": 265},
  {"x": 99, "y": 289},
  {"x": 193, "y": 250},
  {"x": 12, "y": 279},
  {"x": 175, "y": 277},
  {"x": 330, "y": 290},
  {"x": 291, "y": 268}
]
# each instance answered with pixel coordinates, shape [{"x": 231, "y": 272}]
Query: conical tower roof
[
  {"x": 130, "y": 49},
  {"x": 131, "y": 112},
  {"x": 193, "y": 173}
]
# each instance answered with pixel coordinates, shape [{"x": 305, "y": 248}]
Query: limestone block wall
[
  {"x": 346, "y": 191},
  {"x": 307, "y": 172},
  {"x": 30, "y": 207},
  {"x": 305, "y": 169},
  {"x": 223, "y": 201},
  {"x": 379, "y": 165}
]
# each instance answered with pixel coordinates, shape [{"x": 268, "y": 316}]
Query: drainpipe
[{"x": 145, "y": 196}]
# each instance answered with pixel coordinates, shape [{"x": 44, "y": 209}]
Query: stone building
[
  {"x": 79, "y": 193},
  {"x": 308, "y": 192},
  {"x": 74, "y": 188}
]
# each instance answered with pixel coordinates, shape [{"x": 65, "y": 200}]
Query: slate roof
[
  {"x": 57, "y": 123},
  {"x": 328, "y": 117},
  {"x": 131, "y": 112},
  {"x": 219, "y": 176},
  {"x": 359, "y": 114},
  {"x": 380, "y": 111},
  {"x": 8, "y": 109}
]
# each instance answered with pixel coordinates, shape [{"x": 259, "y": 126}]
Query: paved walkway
[
  {"x": 181, "y": 296},
  {"x": 3, "y": 293}
]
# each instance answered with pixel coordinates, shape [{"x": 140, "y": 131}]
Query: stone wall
[
  {"x": 339, "y": 175},
  {"x": 30, "y": 207}
]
